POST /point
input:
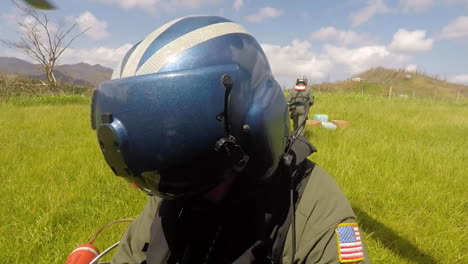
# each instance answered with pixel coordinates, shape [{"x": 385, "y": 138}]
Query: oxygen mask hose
[{"x": 88, "y": 253}]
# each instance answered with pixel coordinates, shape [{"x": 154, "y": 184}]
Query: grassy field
[{"x": 402, "y": 164}]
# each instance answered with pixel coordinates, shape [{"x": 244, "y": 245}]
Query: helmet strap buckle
[{"x": 233, "y": 151}]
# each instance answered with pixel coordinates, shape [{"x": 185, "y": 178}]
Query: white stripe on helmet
[
  {"x": 135, "y": 57},
  {"x": 185, "y": 42}
]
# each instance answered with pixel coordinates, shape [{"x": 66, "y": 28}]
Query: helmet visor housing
[
  {"x": 151, "y": 129},
  {"x": 158, "y": 122},
  {"x": 159, "y": 130}
]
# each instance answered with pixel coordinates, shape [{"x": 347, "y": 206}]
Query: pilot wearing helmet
[
  {"x": 194, "y": 117},
  {"x": 299, "y": 100}
]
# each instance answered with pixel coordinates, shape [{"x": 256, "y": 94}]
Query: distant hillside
[
  {"x": 11, "y": 65},
  {"x": 78, "y": 74},
  {"x": 403, "y": 83},
  {"x": 93, "y": 74}
]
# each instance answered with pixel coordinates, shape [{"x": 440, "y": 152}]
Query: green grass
[
  {"x": 56, "y": 188},
  {"x": 402, "y": 164}
]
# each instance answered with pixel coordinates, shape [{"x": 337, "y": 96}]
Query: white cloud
[
  {"x": 411, "y": 41},
  {"x": 341, "y": 36},
  {"x": 105, "y": 56},
  {"x": 416, "y": 5},
  {"x": 154, "y": 6},
  {"x": 335, "y": 61},
  {"x": 462, "y": 79},
  {"x": 456, "y": 29},
  {"x": 27, "y": 24},
  {"x": 363, "y": 15},
  {"x": 97, "y": 28},
  {"x": 412, "y": 68},
  {"x": 237, "y": 4},
  {"x": 265, "y": 13},
  {"x": 357, "y": 60},
  {"x": 296, "y": 58}
]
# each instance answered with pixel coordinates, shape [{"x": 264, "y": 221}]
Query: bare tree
[{"x": 41, "y": 39}]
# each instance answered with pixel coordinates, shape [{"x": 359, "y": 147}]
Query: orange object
[
  {"x": 314, "y": 122},
  {"x": 340, "y": 123},
  {"x": 82, "y": 254}
]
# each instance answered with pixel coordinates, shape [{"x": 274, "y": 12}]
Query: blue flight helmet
[{"x": 192, "y": 99}]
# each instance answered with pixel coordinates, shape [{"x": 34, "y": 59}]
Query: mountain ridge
[{"x": 81, "y": 73}]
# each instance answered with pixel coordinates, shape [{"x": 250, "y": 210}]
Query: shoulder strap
[
  {"x": 282, "y": 232},
  {"x": 300, "y": 150}
]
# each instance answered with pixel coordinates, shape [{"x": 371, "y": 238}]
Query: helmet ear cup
[{"x": 112, "y": 138}]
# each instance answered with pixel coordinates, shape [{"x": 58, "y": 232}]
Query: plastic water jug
[
  {"x": 329, "y": 125},
  {"x": 321, "y": 117}
]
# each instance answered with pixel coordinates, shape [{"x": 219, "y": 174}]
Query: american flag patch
[{"x": 349, "y": 243}]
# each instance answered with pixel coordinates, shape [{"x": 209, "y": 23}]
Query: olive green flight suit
[
  {"x": 298, "y": 112},
  {"x": 322, "y": 208}
]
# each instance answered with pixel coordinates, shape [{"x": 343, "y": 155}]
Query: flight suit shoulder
[
  {"x": 323, "y": 201},
  {"x": 135, "y": 240},
  {"x": 323, "y": 208}
]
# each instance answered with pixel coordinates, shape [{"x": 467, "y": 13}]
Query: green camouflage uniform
[
  {"x": 298, "y": 112},
  {"x": 322, "y": 208}
]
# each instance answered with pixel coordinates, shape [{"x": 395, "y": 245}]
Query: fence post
[
  {"x": 458, "y": 95},
  {"x": 390, "y": 92}
]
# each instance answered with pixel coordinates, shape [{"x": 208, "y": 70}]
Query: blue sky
[{"x": 325, "y": 40}]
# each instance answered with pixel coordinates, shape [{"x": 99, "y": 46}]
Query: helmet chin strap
[{"x": 228, "y": 144}]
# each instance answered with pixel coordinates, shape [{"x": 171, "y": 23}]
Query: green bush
[
  {"x": 48, "y": 100},
  {"x": 20, "y": 86}
]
